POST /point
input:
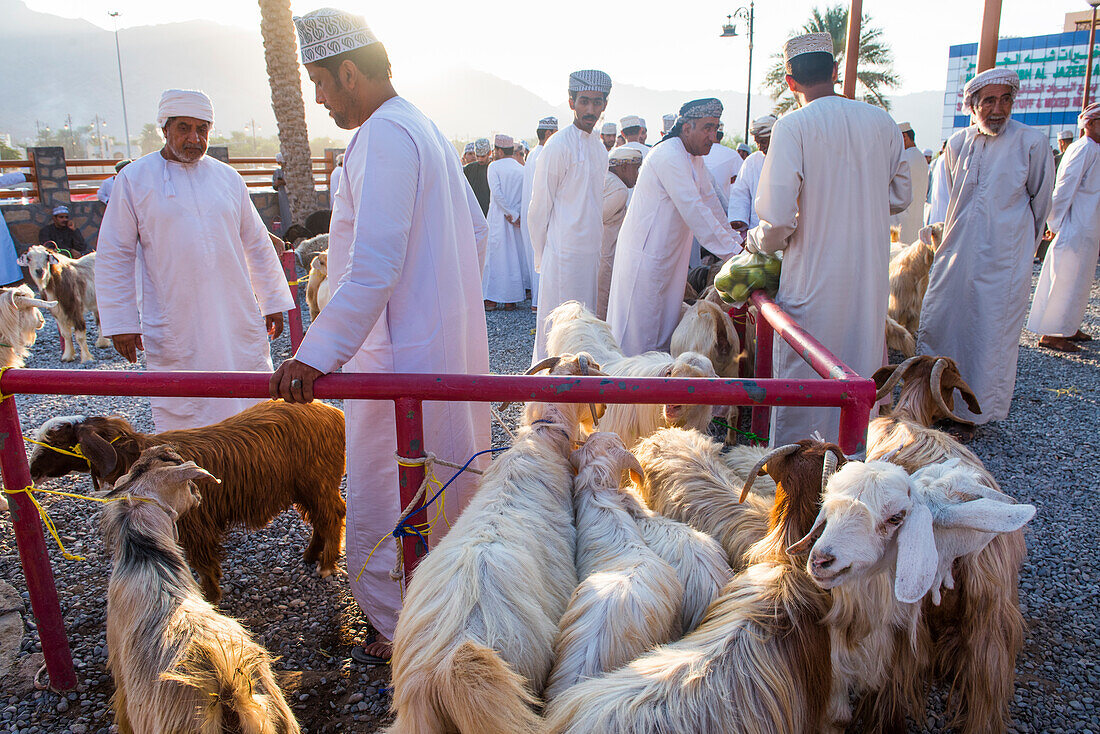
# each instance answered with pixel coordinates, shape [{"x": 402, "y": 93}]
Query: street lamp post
[
  {"x": 121, "y": 88},
  {"x": 729, "y": 30},
  {"x": 1092, "y": 43}
]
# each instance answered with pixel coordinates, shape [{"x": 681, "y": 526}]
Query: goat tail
[
  {"x": 899, "y": 339},
  {"x": 238, "y": 688}
]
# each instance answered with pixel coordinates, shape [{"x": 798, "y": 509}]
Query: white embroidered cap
[{"x": 327, "y": 32}]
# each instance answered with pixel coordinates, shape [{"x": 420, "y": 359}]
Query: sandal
[
  {"x": 360, "y": 655},
  {"x": 1080, "y": 336},
  {"x": 1059, "y": 344}
]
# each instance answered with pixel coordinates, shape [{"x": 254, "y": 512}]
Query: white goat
[
  {"x": 473, "y": 644},
  {"x": 708, "y": 330},
  {"x": 629, "y": 599},
  {"x": 70, "y": 282},
  {"x": 20, "y": 321},
  {"x": 574, "y": 329},
  {"x": 178, "y": 665},
  {"x": 307, "y": 249}
]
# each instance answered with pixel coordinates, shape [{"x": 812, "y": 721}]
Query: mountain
[{"x": 58, "y": 66}]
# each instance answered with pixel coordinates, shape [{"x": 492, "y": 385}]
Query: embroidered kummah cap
[
  {"x": 504, "y": 141},
  {"x": 468, "y": 149},
  {"x": 609, "y": 129},
  {"x": 742, "y": 148},
  {"x": 697, "y": 108},
  {"x": 622, "y": 155},
  {"x": 482, "y": 146},
  {"x": 905, "y": 127},
  {"x": 548, "y": 123},
  {"x": 631, "y": 121},
  {"x": 589, "y": 80},
  {"x": 667, "y": 123},
  {"x": 328, "y": 32},
  {"x": 60, "y": 210},
  {"x": 808, "y": 43}
]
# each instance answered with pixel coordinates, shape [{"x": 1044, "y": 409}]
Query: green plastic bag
[{"x": 748, "y": 272}]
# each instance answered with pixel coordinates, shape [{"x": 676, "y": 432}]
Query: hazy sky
[{"x": 677, "y": 47}]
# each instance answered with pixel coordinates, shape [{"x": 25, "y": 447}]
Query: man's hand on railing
[
  {"x": 128, "y": 345},
  {"x": 293, "y": 382}
]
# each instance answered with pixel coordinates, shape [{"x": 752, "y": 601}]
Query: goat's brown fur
[
  {"x": 909, "y": 280},
  {"x": 270, "y": 457},
  {"x": 915, "y": 401}
]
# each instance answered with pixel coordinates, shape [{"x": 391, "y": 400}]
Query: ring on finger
[{"x": 295, "y": 382}]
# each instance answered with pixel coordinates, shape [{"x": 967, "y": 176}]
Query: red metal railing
[
  {"x": 294, "y": 316},
  {"x": 853, "y": 394}
]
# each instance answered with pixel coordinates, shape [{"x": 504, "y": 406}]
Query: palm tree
[
  {"x": 876, "y": 62},
  {"x": 284, "y": 76}
]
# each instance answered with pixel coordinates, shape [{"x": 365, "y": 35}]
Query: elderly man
[
  {"x": 405, "y": 251},
  {"x": 622, "y": 173},
  {"x": 634, "y": 133},
  {"x": 609, "y": 133},
  {"x": 477, "y": 173},
  {"x": 502, "y": 279},
  {"x": 547, "y": 126},
  {"x": 566, "y": 212},
  {"x": 62, "y": 232},
  {"x": 742, "y": 207},
  {"x": 1000, "y": 174},
  {"x": 833, "y": 175},
  {"x": 1068, "y": 270},
  {"x": 468, "y": 154},
  {"x": 673, "y": 201},
  {"x": 911, "y": 220},
  {"x": 185, "y": 268}
]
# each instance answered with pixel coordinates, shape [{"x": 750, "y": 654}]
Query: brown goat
[
  {"x": 928, "y": 389},
  {"x": 270, "y": 457}
]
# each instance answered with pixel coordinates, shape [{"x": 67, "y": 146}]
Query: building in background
[{"x": 1052, "y": 78}]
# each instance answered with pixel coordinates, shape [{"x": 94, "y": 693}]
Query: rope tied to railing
[
  {"x": 76, "y": 451},
  {"x": 747, "y": 434}
]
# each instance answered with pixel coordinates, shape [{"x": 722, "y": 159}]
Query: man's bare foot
[
  {"x": 375, "y": 652},
  {"x": 1059, "y": 344},
  {"x": 490, "y": 306}
]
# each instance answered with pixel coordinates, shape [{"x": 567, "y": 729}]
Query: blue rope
[{"x": 406, "y": 529}]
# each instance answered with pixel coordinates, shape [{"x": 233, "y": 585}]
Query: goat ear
[
  {"x": 807, "y": 541},
  {"x": 985, "y": 515},
  {"x": 30, "y": 302},
  {"x": 633, "y": 466},
  {"x": 882, "y": 374},
  {"x": 22, "y": 261},
  {"x": 100, "y": 454},
  {"x": 189, "y": 471},
  {"x": 918, "y": 559}
]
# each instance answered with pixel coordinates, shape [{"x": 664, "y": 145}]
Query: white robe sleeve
[
  {"x": 496, "y": 193},
  {"x": 548, "y": 177},
  {"x": 740, "y": 201},
  {"x": 481, "y": 227},
  {"x": 901, "y": 185},
  {"x": 116, "y": 265},
  {"x": 940, "y": 191},
  {"x": 1070, "y": 174},
  {"x": 698, "y": 206},
  {"x": 383, "y": 221},
  {"x": 1040, "y": 186},
  {"x": 265, "y": 272},
  {"x": 777, "y": 194}
]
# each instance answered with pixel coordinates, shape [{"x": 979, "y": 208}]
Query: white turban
[
  {"x": 1092, "y": 112},
  {"x": 184, "y": 103},
  {"x": 761, "y": 127},
  {"x": 609, "y": 129},
  {"x": 622, "y": 155},
  {"x": 987, "y": 77}
]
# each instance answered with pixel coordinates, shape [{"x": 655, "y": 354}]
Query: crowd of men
[{"x": 423, "y": 241}]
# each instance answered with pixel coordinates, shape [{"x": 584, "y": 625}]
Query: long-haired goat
[
  {"x": 319, "y": 287},
  {"x": 20, "y": 321},
  {"x": 928, "y": 389},
  {"x": 688, "y": 477},
  {"x": 909, "y": 270},
  {"x": 307, "y": 249},
  {"x": 573, "y": 329},
  {"x": 178, "y": 665},
  {"x": 629, "y": 599},
  {"x": 759, "y": 661},
  {"x": 977, "y": 630},
  {"x": 708, "y": 330},
  {"x": 474, "y": 641},
  {"x": 70, "y": 282},
  {"x": 270, "y": 457}
]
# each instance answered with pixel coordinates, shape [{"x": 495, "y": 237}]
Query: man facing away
[
  {"x": 634, "y": 133},
  {"x": 182, "y": 225},
  {"x": 622, "y": 174},
  {"x": 911, "y": 220},
  {"x": 833, "y": 175},
  {"x": 566, "y": 212},
  {"x": 405, "y": 250},
  {"x": 1000, "y": 173},
  {"x": 502, "y": 277},
  {"x": 1062, "y": 294},
  {"x": 547, "y": 126}
]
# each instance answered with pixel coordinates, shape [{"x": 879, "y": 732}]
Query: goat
[
  {"x": 899, "y": 339},
  {"x": 928, "y": 388},
  {"x": 909, "y": 270},
  {"x": 178, "y": 665},
  {"x": 70, "y": 282},
  {"x": 270, "y": 457},
  {"x": 629, "y": 599},
  {"x": 708, "y": 330},
  {"x": 759, "y": 661},
  {"x": 20, "y": 321},
  {"x": 319, "y": 288},
  {"x": 307, "y": 249},
  {"x": 474, "y": 640},
  {"x": 687, "y": 477},
  {"x": 573, "y": 329},
  {"x": 977, "y": 631}
]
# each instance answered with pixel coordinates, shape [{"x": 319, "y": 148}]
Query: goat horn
[
  {"x": 547, "y": 364},
  {"x": 773, "y": 454},
  {"x": 28, "y": 302},
  {"x": 895, "y": 376},
  {"x": 829, "y": 467},
  {"x": 582, "y": 359},
  {"x": 937, "y": 391}
]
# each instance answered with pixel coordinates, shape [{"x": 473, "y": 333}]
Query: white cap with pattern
[{"x": 327, "y": 32}]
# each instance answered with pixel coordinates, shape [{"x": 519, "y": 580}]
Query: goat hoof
[
  {"x": 324, "y": 572},
  {"x": 102, "y": 343}
]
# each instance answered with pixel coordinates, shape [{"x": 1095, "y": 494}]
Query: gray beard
[{"x": 987, "y": 129}]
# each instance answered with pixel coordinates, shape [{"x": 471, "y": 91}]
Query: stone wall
[{"x": 48, "y": 164}]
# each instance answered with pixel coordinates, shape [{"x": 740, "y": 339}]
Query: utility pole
[
  {"x": 69, "y": 127},
  {"x": 729, "y": 30},
  {"x": 118, "y": 54},
  {"x": 1088, "y": 69}
]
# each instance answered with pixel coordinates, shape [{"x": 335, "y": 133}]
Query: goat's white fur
[
  {"x": 318, "y": 287},
  {"x": 81, "y": 292},
  {"x": 708, "y": 330},
  {"x": 20, "y": 321}
]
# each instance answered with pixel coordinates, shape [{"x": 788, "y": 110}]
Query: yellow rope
[{"x": 4, "y": 397}]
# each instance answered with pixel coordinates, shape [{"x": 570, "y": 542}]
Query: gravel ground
[{"x": 1047, "y": 453}]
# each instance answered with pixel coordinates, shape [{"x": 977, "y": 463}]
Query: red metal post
[
  {"x": 410, "y": 444},
  {"x": 762, "y": 414},
  {"x": 854, "y": 417},
  {"x": 32, "y": 552},
  {"x": 294, "y": 316},
  {"x": 987, "y": 42}
]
